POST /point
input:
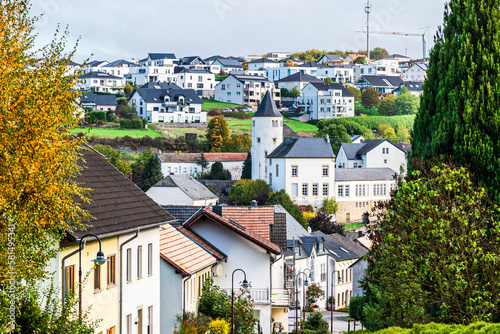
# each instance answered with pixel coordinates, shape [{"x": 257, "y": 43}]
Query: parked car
[
  {"x": 292, "y": 108},
  {"x": 247, "y": 109}
]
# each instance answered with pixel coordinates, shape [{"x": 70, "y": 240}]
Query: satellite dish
[{"x": 217, "y": 270}]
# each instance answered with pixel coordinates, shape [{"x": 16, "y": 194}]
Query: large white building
[
  {"x": 415, "y": 72},
  {"x": 155, "y": 67},
  {"x": 322, "y": 100},
  {"x": 101, "y": 82},
  {"x": 203, "y": 82},
  {"x": 167, "y": 103},
  {"x": 245, "y": 90}
]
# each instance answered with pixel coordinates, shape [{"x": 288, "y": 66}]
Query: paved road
[{"x": 340, "y": 323}]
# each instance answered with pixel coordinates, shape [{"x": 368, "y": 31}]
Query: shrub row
[{"x": 135, "y": 123}]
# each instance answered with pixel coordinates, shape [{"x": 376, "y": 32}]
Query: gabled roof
[
  {"x": 396, "y": 56},
  {"x": 406, "y": 147},
  {"x": 96, "y": 63},
  {"x": 330, "y": 57},
  {"x": 354, "y": 151},
  {"x": 248, "y": 77},
  {"x": 340, "y": 247},
  {"x": 155, "y": 56},
  {"x": 303, "y": 148},
  {"x": 191, "y": 187},
  {"x": 120, "y": 62},
  {"x": 254, "y": 218},
  {"x": 382, "y": 80},
  {"x": 213, "y": 58},
  {"x": 99, "y": 75},
  {"x": 183, "y": 253},
  {"x": 98, "y": 99},
  {"x": 365, "y": 241},
  {"x": 263, "y": 60},
  {"x": 229, "y": 62},
  {"x": 267, "y": 107},
  {"x": 157, "y": 95},
  {"x": 117, "y": 204},
  {"x": 300, "y": 77},
  {"x": 364, "y": 174},
  {"x": 235, "y": 227},
  {"x": 181, "y": 212},
  {"x": 160, "y": 85},
  {"x": 324, "y": 86},
  {"x": 188, "y": 60},
  {"x": 312, "y": 64},
  {"x": 413, "y": 86},
  {"x": 214, "y": 251}
]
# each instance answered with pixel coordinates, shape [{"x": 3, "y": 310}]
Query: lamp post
[
  {"x": 306, "y": 283},
  {"x": 243, "y": 284},
  {"x": 331, "y": 300},
  {"x": 99, "y": 260},
  {"x": 304, "y": 292}
]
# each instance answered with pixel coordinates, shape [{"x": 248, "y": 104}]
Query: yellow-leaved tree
[{"x": 38, "y": 155}]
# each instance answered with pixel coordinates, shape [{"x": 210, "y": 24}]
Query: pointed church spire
[{"x": 267, "y": 107}]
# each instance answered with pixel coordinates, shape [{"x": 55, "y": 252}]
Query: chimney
[
  {"x": 327, "y": 138},
  {"x": 254, "y": 203},
  {"x": 360, "y": 234}
]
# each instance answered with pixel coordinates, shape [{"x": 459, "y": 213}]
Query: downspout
[
  {"x": 271, "y": 282},
  {"x": 121, "y": 272},
  {"x": 184, "y": 295}
]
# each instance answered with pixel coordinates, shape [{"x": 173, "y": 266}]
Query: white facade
[
  {"x": 326, "y": 102},
  {"x": 305, "y": 180},
  {"x": 193, "y": 169},
  {"x": 175, "y": 196},
  {"x": 384, "y": 155},
  {"x": 337, "y": 74},
  {"x": 362, "y": 69},
  {"x": 145, "y": 74},
  {"x": 244, "y": 90},
  {"x": 256, "y": 264},
  {"x": 202, "y": 82},
  {"x": 141, "y": 289},
  {"x": 262, "y": 64},
  {"x": 267, "y": 135},
  {"x": 387, "y": 67},
  {"x": 168, "y": 111},
  {"x": 101, "y": 82},
  {"x": 416, "y": 72},
  {"x": 278, "y": 55},
  {"x": 278, "y": 73}
]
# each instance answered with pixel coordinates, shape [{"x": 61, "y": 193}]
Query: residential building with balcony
[
  {"x": 245, "y": 90},
  {"x": 101, "y": 82},
  {"x": 382, "y": 84},
  {"x": 155, "y": 67},
  {"x": 203, "y": 82},
  {"x": 119, "y": 67},
  {"x": 228, "y": 65},
  {"x": 278, "y": 55},
  {"x": 262, "y": 63},
  {"x": 322, "y": 100},
  {"x": 165, "y": 103}
]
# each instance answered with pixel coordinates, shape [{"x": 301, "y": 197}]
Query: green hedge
[
  {"x": 372, "y": 122},
  {"x": 95, "y": 116},
  {"x": 478, "y": 328},
  {"x": 134, "y": 123}
]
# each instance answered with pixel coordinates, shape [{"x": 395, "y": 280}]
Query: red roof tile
[
  {"x": 254, "y": 218},
  {"x": 183, "y": 253},
  {"x": 203, "y": 243},
  {"x": 246, "y": 233}
]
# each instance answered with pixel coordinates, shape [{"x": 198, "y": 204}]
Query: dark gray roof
[
  {"x": 213, "y": 58},
  {"x": 160, "y": 85},
  {"x": 120, "y": 62},
  {"x": 303, "y": 148},
  {"x": 339, "y": 247},
  {"x": 155, "y": 95},
  {"x": 181, "y": 212},
  {"x": 98, "y": 99},
  {"x": 355, "y": 137},
  {"x": 263, "y": 60},
  {"x": 332, "y": 85},
  {"x": 100, "y": 75},
  {"x": 190, "y": 186},
  {"x": 187, "y": 70},
  {"x": 351, "y": 150},
  {"x": 354, "y": 151},
  {"x": 299, "y": 76},
  {"x": 396, "y": 55},
  {"x": 370, "y": 144},
  {"x": 229, "y": 62},
  {"x": 332, "y": 57},
  {"x": 363, "y": 174},
  {"x": 382, "y": 80},
  {"x": 155, "y": 56},
  {"x": 188, "y": 60},
  {"x": 94, "y": 63},
  {"x": 248, "y": 77},
  {"x": 267, "y": 107}
]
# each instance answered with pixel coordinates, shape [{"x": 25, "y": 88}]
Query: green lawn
[
  {"x": 117, "y": 132},
  {"x": 211, "y": 104},
  {"x": 373, "y": 112},
  {"x": 299, "y": 126},
  {"x": 353, "y": 226}
]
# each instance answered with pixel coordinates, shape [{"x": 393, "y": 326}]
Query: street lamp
[
  {"x": 99, "y": 260},
  {"x": 304, "y": 292},
  {"x": 244, "y": 284},
  {"x": 306, "y": 283},
  {"x": 331, "y": 300}
]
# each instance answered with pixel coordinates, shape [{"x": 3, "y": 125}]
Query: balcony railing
[
  {"x": 280, "y": 297},
  {"x": 259, "y": 296},
  {"x": 169, "y": 104}
]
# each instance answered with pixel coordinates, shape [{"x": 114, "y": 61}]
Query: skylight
[{"x": 345, "y": 250}]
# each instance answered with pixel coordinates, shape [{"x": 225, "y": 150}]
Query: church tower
[{"x": 267, "y": 134}]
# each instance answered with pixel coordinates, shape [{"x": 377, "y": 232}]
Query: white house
[
  {"x": 239, "y": 243},
  {"x": 415, "y": 72},
  {"x": 262, "y": 63},
  {"x": 278, "y": 73},
  {"x": 304, "y": 167},
  {"x": 181, "y": 190},
  {"x": 330, "y": 59},
  {"x": 298, "y": 80},
  {"x": 278, "y": 55},
  {"x": 372, "y": 153},
  {"x": 322, "y": 100},
  {"x": 362, "y": 69},
  {"x": 203, "y": 82},
  {"x": 119, "y": 67},
  {"x": 185, "y": 265},
  {"x": 337, "y": 74},
  {"x": 245, "y": 90},
  {"x": 105, "y": 102},
  {"x": 101, "y": 82},
  {"x": 187, "y": 163},
  {"x": 359, "y": 189},
  {"x": 94, "y": 66},
  {"x": 166, "y": 103},
  {"x": 192, "y": 62},
  {"x": 155, "y": 67},
  {"x": 387, "y": 66},
  {"x": 228, "y": 65},
  {"x": 414, "y": 87},
  {"x": 382, "y": 84}
]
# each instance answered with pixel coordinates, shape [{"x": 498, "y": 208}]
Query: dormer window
[
  {"x": 320, "y": 247},
  {"x": 297, "y": 251}
]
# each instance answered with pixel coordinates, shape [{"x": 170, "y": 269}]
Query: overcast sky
[{"x": 115, "y": 29}]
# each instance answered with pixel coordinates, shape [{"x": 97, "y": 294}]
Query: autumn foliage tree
[
  {"x": 38, "y": 154},
  {"x": 370, "y": 98},
  {"x": 217, "y": 134}
]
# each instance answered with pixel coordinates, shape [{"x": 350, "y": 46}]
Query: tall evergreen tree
[
  {"x": 151, "y": 173},
  {"x": 246, "y": 173},
  {"x": 459, "y": 114}
]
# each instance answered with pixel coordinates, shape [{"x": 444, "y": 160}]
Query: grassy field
[
  {"x": 129, "y": 157},
  {"x": 211, "y": 104},
  {"x": 299, "y": 126},
  {"x": 353, "y": 226},
  {"x": 117, "y": 132},
  {"x": 366, "y": 111}
]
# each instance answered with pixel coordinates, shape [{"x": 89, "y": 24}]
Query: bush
[
  {"x": 94, "y": 116},
  {"x": 219, "y": 326},
  {"x": 315, "y": 322},
  {"x": 213, "y": 112},
  {"x": 237, "y": 114},
  {"x": 134, "y": 123},
  {"x": 356, "y": 305},
  {"x": 244, "y": 191}
]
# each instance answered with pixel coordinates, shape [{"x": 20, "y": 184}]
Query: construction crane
[{"x": 424, "y": 42}]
